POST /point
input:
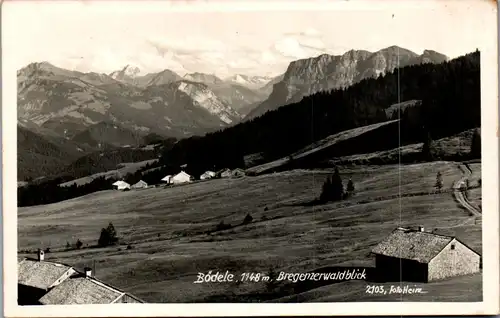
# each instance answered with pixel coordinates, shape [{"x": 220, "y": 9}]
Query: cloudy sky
[{"x": 254, "y": 38}]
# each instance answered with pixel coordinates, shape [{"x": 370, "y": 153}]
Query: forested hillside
[{"x": 450, "y": 95}]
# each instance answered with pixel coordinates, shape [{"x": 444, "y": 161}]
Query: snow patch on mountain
[
  {"x": 249, "y": 81},
  {"x": 129, "y": 71}
]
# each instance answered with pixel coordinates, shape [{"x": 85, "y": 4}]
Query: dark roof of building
[
  {"x": 76, "y": 289},
  {"x": 39, "y": 274},
  {"x": 413, "y": 245},
  {"x": 79, "y": 289}
]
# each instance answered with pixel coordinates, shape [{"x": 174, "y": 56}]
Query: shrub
[
  {"x": 248, "y": 219},
  {"x": 222, "y": 226},
  {"x": 439, "y": 181},
  {"x": 79, "y": 244}
]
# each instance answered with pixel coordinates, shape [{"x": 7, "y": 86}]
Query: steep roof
[
  {"x": 81, "y": 290},
  {"x": 39, "y": 274},
  {"x": 140, "y": 184},
  {"x": 182, "y": 174},
  {"x": 411, "y": 244},
  {"x": 167, "y": 178},
  {"x": 76, "y": 289}
]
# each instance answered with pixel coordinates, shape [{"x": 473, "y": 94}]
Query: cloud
[{"x": 294, "y": 48}]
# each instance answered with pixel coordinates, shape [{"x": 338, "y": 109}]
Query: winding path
[{"x": 458, "y": 187}]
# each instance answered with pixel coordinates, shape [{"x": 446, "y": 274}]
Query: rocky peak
[{"x": 325, "y": 72}]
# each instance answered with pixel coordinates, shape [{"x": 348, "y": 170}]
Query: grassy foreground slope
[{"x": 164, "y": 228}]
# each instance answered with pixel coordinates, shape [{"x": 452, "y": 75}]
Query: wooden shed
[{"x": 419, "y": 256}]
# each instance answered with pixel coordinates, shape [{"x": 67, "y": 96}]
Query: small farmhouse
[
  {"x": 167, "y": 179},
  {"x": 224, "y": 173},
  {"x": 121, "y": 185},
  {"x": 181, "y": 177},
  {"x": 416, "y": 255},
  {"x": 48, "y": 283},
  {"x": 140, "y": 185},
  {"x": 207, "y": 175},
  {"x": 237, "y": 173}
]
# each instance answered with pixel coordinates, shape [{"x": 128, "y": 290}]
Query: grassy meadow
[{"x": 167, "y": 235}]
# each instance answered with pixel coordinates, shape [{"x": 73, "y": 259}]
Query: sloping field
[
  {"x": 319, "y": 146},
  {"x": 122, "y": 171},
  {"x": 166, "y": 230},
  {"x": 445, "y": 147}
]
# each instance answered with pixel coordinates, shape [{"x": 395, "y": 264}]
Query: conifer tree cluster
[
  {"x": 108, "y": 236},
  {"x": 333, "y": 189}
]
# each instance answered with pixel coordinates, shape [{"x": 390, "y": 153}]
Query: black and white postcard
[{"x": 201, "y": 158}]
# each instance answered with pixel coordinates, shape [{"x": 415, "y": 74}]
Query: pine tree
[
  {"x": 350, "y": 186},
  {"x": 112, "y": 233},
  {"x": 337, "y": 186},
  {"x": 475, "y": 147},
  {"x": 326, "y": 190},
  {"x": 427, "y": 148},
  {"x": 103, "y": 238},
  {"x": 108, "y": 236},
  {"x": 439, "y": 181}
]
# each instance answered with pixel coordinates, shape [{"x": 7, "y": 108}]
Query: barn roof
[
  {"x": 182, "y": 173},
  {"x": 81, "y": 290},
  {"x": 411, "y": 244},
  {"x": 39, "y": 274}
]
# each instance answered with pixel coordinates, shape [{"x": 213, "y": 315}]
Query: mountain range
[
  {"x": 326, "y": 72},
  {"x": 93, "y": 111}
]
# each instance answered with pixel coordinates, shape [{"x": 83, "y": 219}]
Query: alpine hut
[
  {"x": 121, "y": 185},
  {"x": 237, "y": 173},
  {"x": 415, "y": 255},
  {"x": 207, "y": 175},
  {"x": 167, "y": 179},
  {"x": 224, "y": 173},
  {"x": 181, "y": 177},
  {"x": 140, "y": 185}
]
